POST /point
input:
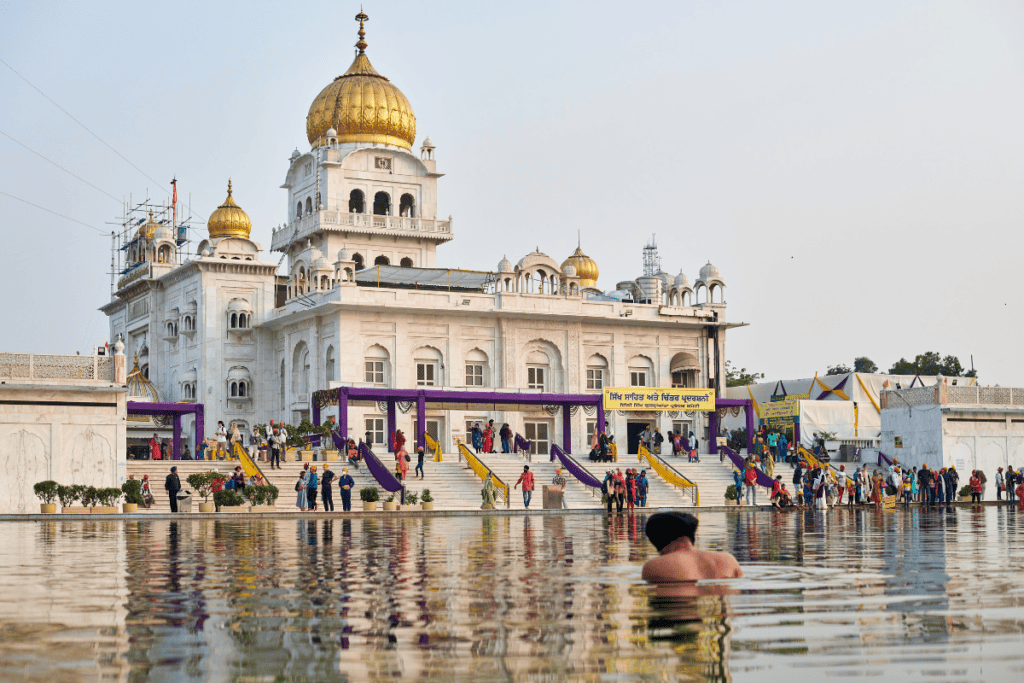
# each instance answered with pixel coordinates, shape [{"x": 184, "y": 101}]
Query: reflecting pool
[{"x": 913, "y": 596}]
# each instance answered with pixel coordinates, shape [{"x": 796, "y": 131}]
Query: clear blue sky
[{"x": 854, "y": 169}]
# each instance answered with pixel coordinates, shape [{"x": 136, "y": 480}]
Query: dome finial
[
  {"x": 361, "y": 17},
  {"x": 229, "y": 187}
]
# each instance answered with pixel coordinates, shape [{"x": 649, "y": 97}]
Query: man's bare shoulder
[{"x": 691, "y": 565}]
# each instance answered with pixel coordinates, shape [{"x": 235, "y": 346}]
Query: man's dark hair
[
  {"x": 665, "y": 527},
  {"x": 526, "y": 468}
]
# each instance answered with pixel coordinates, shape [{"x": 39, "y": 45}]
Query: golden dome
[
  {"x": 362, "y": 106},
  {"x": 139, "y": 386},
  {"x": 149, "y": 229},
  {"x": 586, "y": 268},
  {"x": 229, "y": 220}
]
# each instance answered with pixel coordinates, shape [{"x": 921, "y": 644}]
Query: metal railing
[
  {"x": 670, "y": 474},
  {"x": 484, "y": 472}
]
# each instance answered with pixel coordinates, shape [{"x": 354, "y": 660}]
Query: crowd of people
[{"x": 625, "y": 490}]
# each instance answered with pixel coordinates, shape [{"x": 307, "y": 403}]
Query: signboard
[
  {"x": 898, "y": 441},
  {"x": 780, "y": 413},
  {"x": 658, "y": 398}
]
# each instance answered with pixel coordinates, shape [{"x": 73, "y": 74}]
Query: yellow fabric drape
[
  {"x": 668, "y": 475},
  {"x": 435, "y": 447},
  {"x": 482, "y": 471}
]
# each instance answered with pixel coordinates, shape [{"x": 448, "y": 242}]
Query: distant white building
[
  {"x": 966, "y": 426},
  {"x": 362, "y": 302}
]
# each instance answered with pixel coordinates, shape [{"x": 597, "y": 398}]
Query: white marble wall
[{"x": 50, "y": 437}]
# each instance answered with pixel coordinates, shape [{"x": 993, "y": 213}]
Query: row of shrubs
[
  {"x": 89, "y": 496},
  {"x": 371, "y": 494},
  {"x": 204, "y": 482}
]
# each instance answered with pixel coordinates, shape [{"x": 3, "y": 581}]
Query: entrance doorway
[
  {"x": 540, "y": 434},
  {"x": 433, "y": 429},
  {"x": 633, "y": 431}
]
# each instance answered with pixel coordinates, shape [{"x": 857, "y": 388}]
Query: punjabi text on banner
[{"x": 658, "y": 398}]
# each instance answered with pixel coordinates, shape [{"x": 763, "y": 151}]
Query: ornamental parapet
[{"x": 338, "y": 221}]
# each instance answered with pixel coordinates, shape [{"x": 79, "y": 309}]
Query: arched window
[
  {"x": 234, "y": 389},
  {"x": 356, "y": 202},
  {"x": 234, "y": 321},
  {"x": 329, "y": 365},
  {"x": 377, "y": 365},
  {"x": 309, "y": 205},
  {"x": 300, "y": 371},
  {"x": 241, "y": 389},
  {"x": 406, "y": 262},
  {"x": 429, "y": 363},
  {"x": 476, "y": 369},
  {"x": 407, "y": 206},
  {"x": 358, "y": 259},
  {"x": 597, "y": 372},
  {"x": 382, "y": 204},
  {"x": 298, "y": 210},
  {"x": 382, "y": 261},
  {"x": 641, "y": 372}
]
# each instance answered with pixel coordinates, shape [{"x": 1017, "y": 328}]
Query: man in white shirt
[{"x": 222, "y": 441}]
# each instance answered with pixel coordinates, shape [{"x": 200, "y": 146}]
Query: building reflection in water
[{"x": 482, "y": 598}]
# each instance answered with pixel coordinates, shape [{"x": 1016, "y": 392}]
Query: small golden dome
[
  {"x": 586, "y": 268},
  {"x": 362, "y": 106},
  {"x": 229, "y": 220},
  {"x": 139, "y": 386},
  {"x": 148, "y": 230}
]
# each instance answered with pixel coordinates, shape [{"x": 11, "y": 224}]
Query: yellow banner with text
[{"x": 658, "y": 398}]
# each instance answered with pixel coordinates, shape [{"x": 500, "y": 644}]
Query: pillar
[
  {"x": 176, "y": 437},
  {"x": 713, "y": 432},
  {"x": 600, "y": 417},
  {"x": 566, "y": 429},
  {"x": 748, "y": 410},
  {"x": 343, "y": 416},
  {"x": 200, "y": 427},
  {"x": 421, "y": 421},
  {"x": 391, "y": 425},
  {"x": 315, "y": 441}
]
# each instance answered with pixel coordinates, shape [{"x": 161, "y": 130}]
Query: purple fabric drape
[
  {"x": 585, "y": 477},
  {"x": 387, "y": 480},
  {"x": 762, "y": 478}
]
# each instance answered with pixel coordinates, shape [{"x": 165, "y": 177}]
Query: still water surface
[{"x": 908, "y": 596}]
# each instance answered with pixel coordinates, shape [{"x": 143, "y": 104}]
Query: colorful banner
[
  {"x": 658, "y": 398},
  {"x": 780, "y": 413}
]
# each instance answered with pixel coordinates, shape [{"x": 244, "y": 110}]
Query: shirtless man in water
[{"x": 673, "y": 534}]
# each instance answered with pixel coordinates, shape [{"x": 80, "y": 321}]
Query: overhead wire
[
  {"x": 158, "y": 184},
  {"x": 59, "y": 166},
  {"x": 73, "y": 220}
]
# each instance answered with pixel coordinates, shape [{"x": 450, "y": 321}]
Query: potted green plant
[
  {"x": 389, "y": 503},
  {"x": 106, "y": 499},
  {"x": 964, "y": 494},
  {"x": 68, "y": 496},
  {"x": 132, "y": 490},
  {"x": 307, "y": 430},
  {"x": 426, "y": 500},
  {"x": 202, "y": 484},
  {"x": 263, "y": 498},
  {"x": 90, "y": 496},
  {"x": 730, "y": 493},
  {"x": 369, "y": 495},
  {"x": 229, "y": 501},
  {"x": 411, "y": 498},
  {"x": 46, "y": 491}
]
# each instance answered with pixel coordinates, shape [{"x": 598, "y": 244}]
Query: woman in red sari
[{"x": 488, "y": 439}]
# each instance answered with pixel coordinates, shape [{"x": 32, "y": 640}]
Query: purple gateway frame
[
  {"x": 173, "y": 411},
  {"x": 421, "y": 397}
]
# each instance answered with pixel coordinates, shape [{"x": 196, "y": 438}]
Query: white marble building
[{"x": 359, "y": 300}]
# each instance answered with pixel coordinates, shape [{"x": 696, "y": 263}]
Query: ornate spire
[
  {"x": 361, "y": 18},
  {"x": 229, "y": 187}
]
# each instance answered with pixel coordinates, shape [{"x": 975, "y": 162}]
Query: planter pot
[
  {"x": 964, "y": 499},
  {"x": 104, "y": 510},
  {"x": 369, "y": 507},
  {"x": 48, "y": 508},
  {"x": 207, "y": 507},
  {"x": 329, "y": 456},
  {"x": 306, "y": 456},
  {"x": 486, "y": 507},
  {"x": 131, "y": 508},
  {"x": 389, "y": 507},
  {"x": 427, "y": 506},
  {"x": 831, "y": 446},
  {"x": 264, "y": 508},
  {"x": 234, "y": 509},
  {"x": 75, "y": 511}
]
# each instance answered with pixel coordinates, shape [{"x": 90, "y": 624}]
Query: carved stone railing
[
  {"x": 339, "y": 221},
  {"x": 41, "y": 366}
]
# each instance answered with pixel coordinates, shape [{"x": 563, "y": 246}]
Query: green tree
[
  {"x": 864, "y": 364},
  {"x": 740, "y": 378},
  {"x": 838, "y": 370},
  {"x": 930, "y": 363}
]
